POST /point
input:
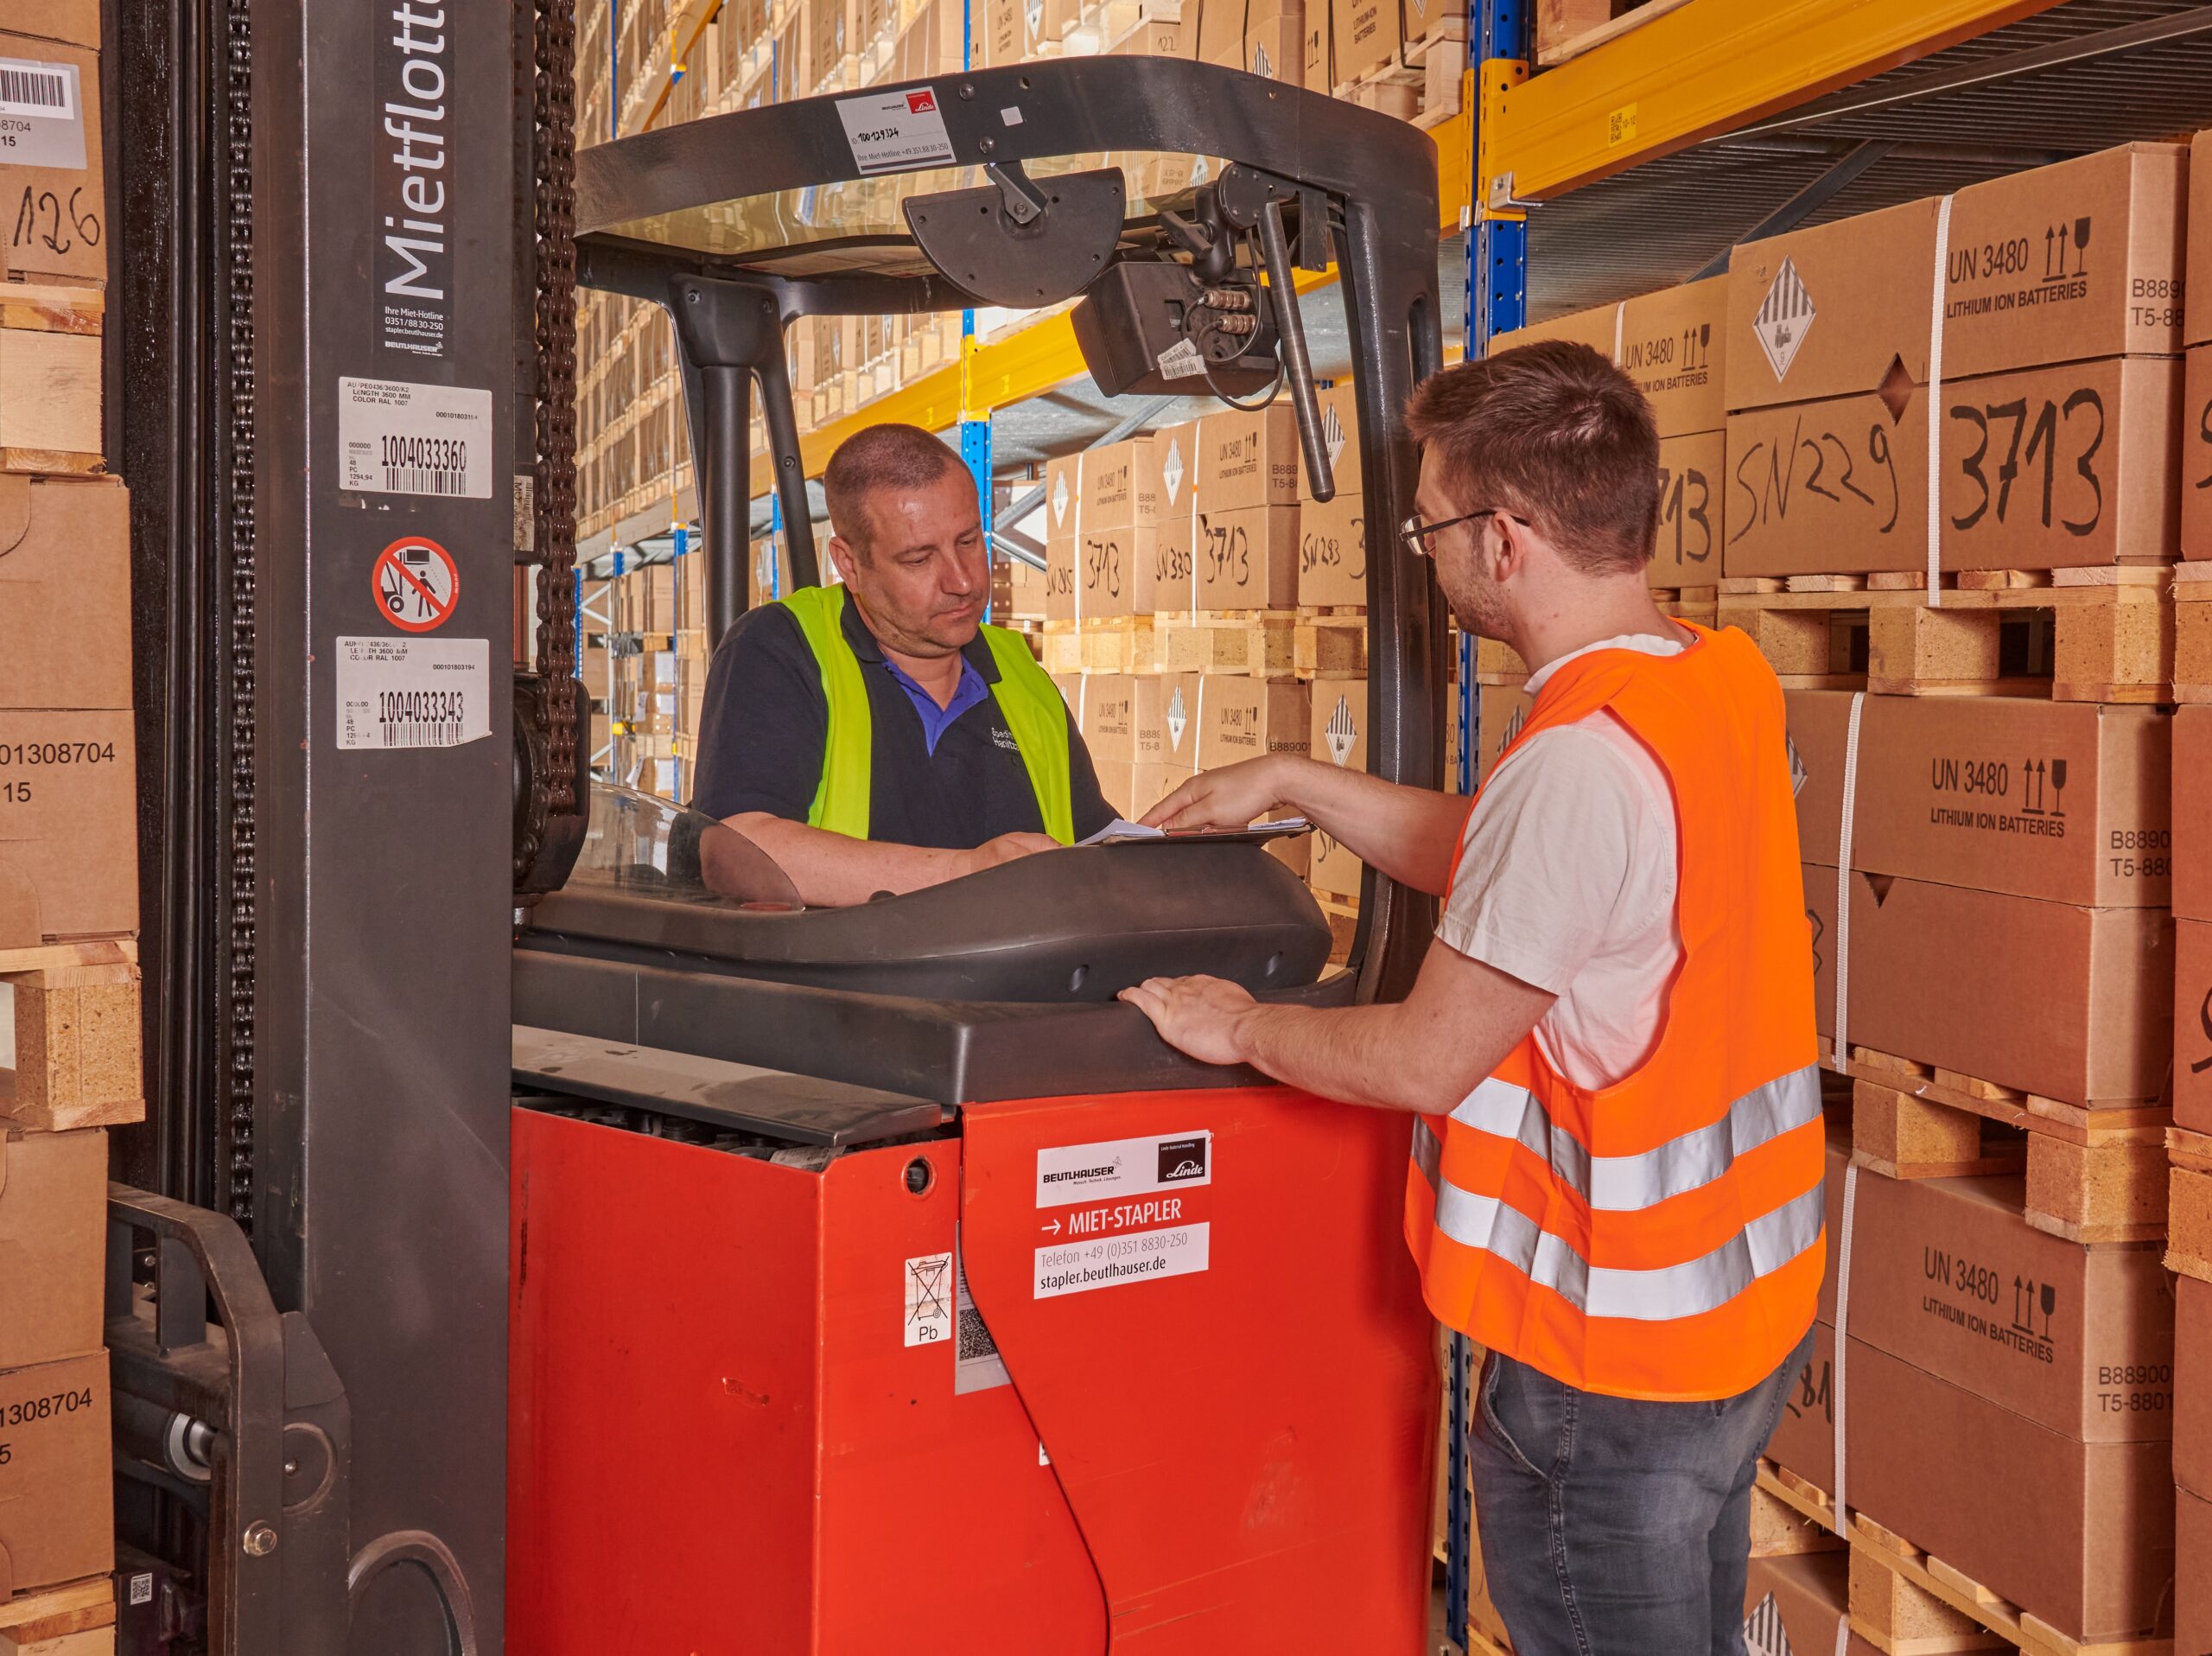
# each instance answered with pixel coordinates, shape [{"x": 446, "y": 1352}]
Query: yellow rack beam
[{"x": 1708, "y": 67}]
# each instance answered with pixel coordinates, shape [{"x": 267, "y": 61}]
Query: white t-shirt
[{"x": 1567, "y": 882}]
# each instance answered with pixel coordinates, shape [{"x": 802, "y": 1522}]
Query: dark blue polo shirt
[{"x": 765, "y": 723}]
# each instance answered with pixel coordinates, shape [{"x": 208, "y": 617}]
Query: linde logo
[
  {"x": 1181, "y": 1159},
  {"x": 920, "y": 102}
]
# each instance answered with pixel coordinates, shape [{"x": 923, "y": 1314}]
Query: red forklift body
[{"x": 1185, "y": 1400}]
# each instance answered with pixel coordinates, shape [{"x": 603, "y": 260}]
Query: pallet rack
[{"x": 1639, "y": 162}]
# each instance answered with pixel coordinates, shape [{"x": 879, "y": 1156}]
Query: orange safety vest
[{"x": 1660, "y": 1238}]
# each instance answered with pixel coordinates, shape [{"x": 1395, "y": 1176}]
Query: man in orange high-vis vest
[{"x": 1615, "y": 1179}]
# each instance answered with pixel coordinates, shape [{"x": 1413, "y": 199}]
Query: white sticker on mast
[{"x": 1935, "y": 404}]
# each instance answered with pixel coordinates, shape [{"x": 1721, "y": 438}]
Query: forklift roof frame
[{"x": 732, "y": 303}]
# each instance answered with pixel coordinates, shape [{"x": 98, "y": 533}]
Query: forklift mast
[{"x": 347, "y": 272}]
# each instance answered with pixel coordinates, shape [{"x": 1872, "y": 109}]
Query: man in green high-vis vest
[{"x": 874, "y": 735}]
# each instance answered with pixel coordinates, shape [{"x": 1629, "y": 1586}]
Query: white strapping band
[
  {"x": 1842, "y": 1336},
  {"x": 1936, "y": 406},
  {"x": 1078, "y": 547},
  {"x": 1194, "y": 529},
  {"x": 1620, "y": 311},
  {"x": 1846, "y": 818}
]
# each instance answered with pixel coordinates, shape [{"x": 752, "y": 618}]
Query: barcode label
[
  {"x": 36, "y": 89},
  {"x": 425, "y": 479},
  {"x": 397, "y": 438},
  {"x": 394, "y": 694}
]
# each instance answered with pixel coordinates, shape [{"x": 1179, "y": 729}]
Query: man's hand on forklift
[
  {"x": 1198, "y": 1015},
  {"x": 1235, "y": 796}
]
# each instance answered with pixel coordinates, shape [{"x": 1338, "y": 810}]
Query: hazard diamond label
[
  {"x": 1178, "y": 716},
  {"x": 1332, "y": 434},
  {"x": 1171, "y": 470},
  {"x": 1059, "y": 499},
  {"x": 1764, "y": 1634},
  {"x": 1785, "y": 317},
  {"x": 1343, "y": 731}
]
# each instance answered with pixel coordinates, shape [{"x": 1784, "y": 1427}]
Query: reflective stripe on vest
[
  {"x": 1660, "y": 1238},
  {"x": 1625, "y": 1184},
  {"x": 1035, "y": 712}
]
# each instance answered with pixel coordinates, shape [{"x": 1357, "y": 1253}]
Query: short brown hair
[
  {"x": 1554, "y": 433},
  {"x": 882, "y": 456}
]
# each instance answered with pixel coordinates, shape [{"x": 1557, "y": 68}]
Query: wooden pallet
[
  {"x": 45, "y": 1619},
  {"x": 1496, "y": 663},
  {"x": 1907, "y": 1603},
  {"x": 2104, "y": 634},
  {"x": 2189, "y": 1241},
  {"x": 1258, "y": 643},
  {"x": 1330, "y": 644},
  {"x": 74, "y": 1013},
  {"x": 2193, "y": 631},
  {"x": 2094, "y": 1174}
]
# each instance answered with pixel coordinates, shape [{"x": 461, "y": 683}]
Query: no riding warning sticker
[{"x": 417, "y": 583}]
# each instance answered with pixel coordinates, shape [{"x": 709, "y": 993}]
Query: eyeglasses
[{"x": 1415, "y": 533}]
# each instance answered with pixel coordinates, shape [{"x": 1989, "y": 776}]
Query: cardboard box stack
[
  {"x": 1998, "y": 902},
  {"x": 69, "y": 1000}
]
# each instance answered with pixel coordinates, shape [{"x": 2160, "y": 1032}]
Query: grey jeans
[{"x": 1615, "y": 1527}]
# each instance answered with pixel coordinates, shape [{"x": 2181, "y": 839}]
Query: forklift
[{"x": 580, "y": 1245}]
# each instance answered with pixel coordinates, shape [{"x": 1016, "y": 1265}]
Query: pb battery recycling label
[{"x": 1123, "y": 1210}]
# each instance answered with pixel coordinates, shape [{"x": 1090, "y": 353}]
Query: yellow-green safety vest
[{"x": 1035, "y": 713}]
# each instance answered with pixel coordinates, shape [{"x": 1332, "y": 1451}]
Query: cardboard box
[
  {"x": 68, "y": 830},
  {"x": 2192, "y": 813},
  {"x": 1106, "y": 710},
  {"x": 53, "y": 1239},
  {"x": 1150, "y": 783},
  {"x": 49, "y": 367},
  {"x": 2067, "y": 262},
  {"x": 1368, "y": 34},
  {"x": 1108, "y": 475},
  {"x": 2196, "y": 449},
  {"x": 76, "y": 22},
  {"x": 65, "y": 592},
  {"x": 1500, "y": 711},
  {"x": 1275, "y": 42},
  {"x": 1169, "y": 717},
  {"x": 1221, "y": 30},
  {"x": 2193, "y": 1029},
  {"x": 1332, "y": 551},
  {"x": 2198, "y": 322},
  {"x": 1946, "y": 1275},
  {"x": 1337, "y": 734},
  {"x": 1117, "y": 781},
  {"x": 1840, "y": 485},
  {"x": 1669, "y": 341},
  {"x": 1800, "y": 1603},
  {"x": 1940, "y": 974},
  {"x": 1248, "y": 459},
  {"x": 2067, "y": 801},
  {"x": 1693, "y": 508},
  {"x": 2192, "y": 1573},
  {"x": 1248, "y": 558},
  {"x": 1245, "y": 718},
  {"x": 2078, "y": 1534},
  {"x": 1320, "y": 47},
  {"x": 60, "y": 234},
  {"x": 1116, "y": 572},
  {"x": 1339, "y": 408},
  {"x": 57, "y": 1508},
  {"x": 1155, "y": 38}
]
